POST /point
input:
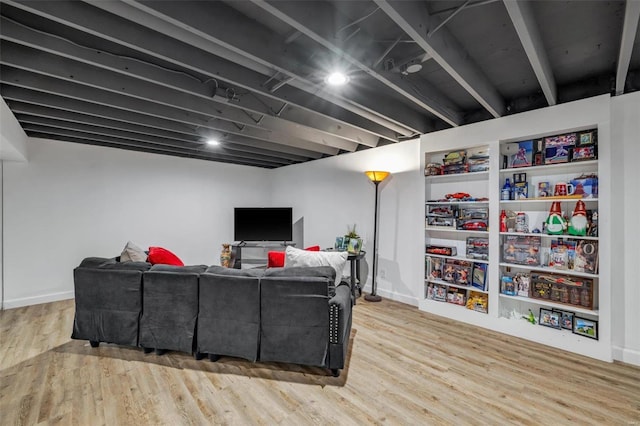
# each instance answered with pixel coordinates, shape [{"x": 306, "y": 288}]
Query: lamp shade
[{"x": 376, "y": 176}]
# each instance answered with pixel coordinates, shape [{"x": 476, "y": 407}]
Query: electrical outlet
[{"x": 383, "y": 273}]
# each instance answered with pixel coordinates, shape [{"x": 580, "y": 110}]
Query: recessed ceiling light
[
  {"x": 213, "y": 142},
  {"x": 337, "y": 78}
]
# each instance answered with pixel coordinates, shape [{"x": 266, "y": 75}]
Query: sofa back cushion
[
  {"x": 294, "y": 323},
  {"x": 306, "y": 271}
]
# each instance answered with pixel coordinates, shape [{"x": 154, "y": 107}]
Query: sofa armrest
[{"x": 340, "y": 315}]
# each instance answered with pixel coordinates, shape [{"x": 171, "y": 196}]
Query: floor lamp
[{"x": 376, "y": 177}]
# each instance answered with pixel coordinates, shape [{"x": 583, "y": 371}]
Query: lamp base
[{"x": 372, "y": 298}]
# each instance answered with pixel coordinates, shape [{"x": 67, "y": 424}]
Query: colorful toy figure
[
  {"x": 555, "y": 222},
  {"x": 578, "y": 223}
]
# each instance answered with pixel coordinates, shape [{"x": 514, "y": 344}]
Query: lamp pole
[
  {"x": 373, "y": 297},
  {"x": 376, "y": 177}
]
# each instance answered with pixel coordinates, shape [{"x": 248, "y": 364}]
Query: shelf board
[
  {"x": 452, "y": 229},
  {"x": 563, "y": 236},
  {"x": 548, "y": 200},
  {"x": 561, "y": 306},
  {"x": 464, "y": 287},
  {"x": 559, "y": 166},
  {"x": 447, "y": 203},
  {"x": 551, "y": 270},
  {"x": 467, "y": 259},
  {"x": 458, "y": 176},
  {"x": 442, "y": 306}
]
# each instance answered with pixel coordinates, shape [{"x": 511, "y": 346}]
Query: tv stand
[{"x": 258, "y": 251}]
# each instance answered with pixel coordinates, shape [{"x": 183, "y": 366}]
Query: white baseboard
[
  {"x": 628, "y": 356},
  {"x": 35, "y": 300},
  {"x": 398, "y": 297}
]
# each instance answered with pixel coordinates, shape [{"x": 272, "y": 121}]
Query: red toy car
[
  {"x": 457, "y": 196},
  {"x": 475, "y": 225}
]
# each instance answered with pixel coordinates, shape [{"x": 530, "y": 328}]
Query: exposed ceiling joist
[
  {"x": 47, "y": 116},
  {"x": 87, "y": 18},
  {"x": 413, "y": 18},
  {"x": 52, "y": 106},
  {"x": 105, "y": 138},
  {"x": 527, "y": 29},
  {"x": 263, "y": 53},
  {"x": 315, "y": 20},
  {"x": 217, "y": 127},
  {"x": 93, "y": 76},
  {"x": 629, "y": 30}
]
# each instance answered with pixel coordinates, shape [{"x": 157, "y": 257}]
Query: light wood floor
[{"x": 405, "y": 367}]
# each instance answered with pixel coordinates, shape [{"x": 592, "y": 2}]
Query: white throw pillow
[
  {"x": 133, "y": 253},
  {"x": 335, "y": 259}
]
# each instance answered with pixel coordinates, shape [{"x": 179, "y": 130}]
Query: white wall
[
  {"x": 71, "y": 201},
  {"x": 625, "y": 131},
  {"x": 13, "y": 140},
  {"x": 334, "y": 193}
]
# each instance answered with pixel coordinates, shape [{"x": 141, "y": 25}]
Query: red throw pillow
[
  {"x": 275, "y": 259},
  {"x": 159, "y": 255}
]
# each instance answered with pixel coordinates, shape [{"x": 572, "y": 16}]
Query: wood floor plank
[{"x": 404, "y": 367}]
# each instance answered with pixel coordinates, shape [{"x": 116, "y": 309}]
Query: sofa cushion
[
  {"x": 335, "y": 259},
  {"x": 220, "y": 270},
  {"x": 194, "y": 269},
  {"x": 306, "y": 271},
  {"x": 132, "y": 253},
  {"x": 160, "y": 255}
]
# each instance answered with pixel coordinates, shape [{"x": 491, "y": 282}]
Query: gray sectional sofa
[{"x": 289, "y": 315}]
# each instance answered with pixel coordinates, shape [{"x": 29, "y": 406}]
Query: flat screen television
[{"x": 262, "y": 223}]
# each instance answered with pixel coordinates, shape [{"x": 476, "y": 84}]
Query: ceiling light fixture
[
  {"x": 337, "y": 78},
  {"x": 213, "y": 142}
]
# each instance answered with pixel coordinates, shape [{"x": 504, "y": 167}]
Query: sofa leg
[
  {"x": 94, "y": 343},
  {"x": 198, "y": 356},
  {"x": 147, "y": 350},
  {"x": 335, "y": 372},
  {"x": 214, "y": 357},
  {"x": 161, "y": 351}
]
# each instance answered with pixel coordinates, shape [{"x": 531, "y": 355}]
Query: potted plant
[{"x": 352, "y": 240}]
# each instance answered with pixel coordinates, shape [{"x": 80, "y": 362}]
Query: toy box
[
  {"x": 440, "y": 292},
  {"x": 519, "y": 154},
  {"x": 589, "y": 137},
  {"x": 522, "y": 250},
  {"x": 507, "y": 286},
  {"x": 479, "y": 278},
  {"x": 478, "y": 302},
  {"x": 574, "y": 291},
  {"x": 473, "y": 219},
  {"x": 586, "y": 257},
  {"x": 457, "y": 271},
  {"x": 585, "y": 185},
  {"x": 441, "y": 250},
  {"x": 433, "y": 267},
  {"x": 456, "y": 296},
  {"x": 557, "y": 148},
  {"x": 477, "y": 248},
  {"x": 580, "y": 153}
]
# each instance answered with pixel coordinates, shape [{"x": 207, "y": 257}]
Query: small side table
[
  {"x": 354, "y": 263},
  {"x": 354, "y": 260}
]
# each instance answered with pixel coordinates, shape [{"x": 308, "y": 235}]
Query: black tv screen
[{"x": 262, "y": 223}]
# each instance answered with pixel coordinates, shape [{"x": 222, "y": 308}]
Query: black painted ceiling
[{"x": 165, "y": 76}]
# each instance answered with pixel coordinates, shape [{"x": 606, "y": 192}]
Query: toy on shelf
[
  {"x": 578, "y": 223},
  {"x": 555, "y": 222}
]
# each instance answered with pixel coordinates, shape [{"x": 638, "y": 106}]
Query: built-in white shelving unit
[{"x": 506, "y": 311}]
